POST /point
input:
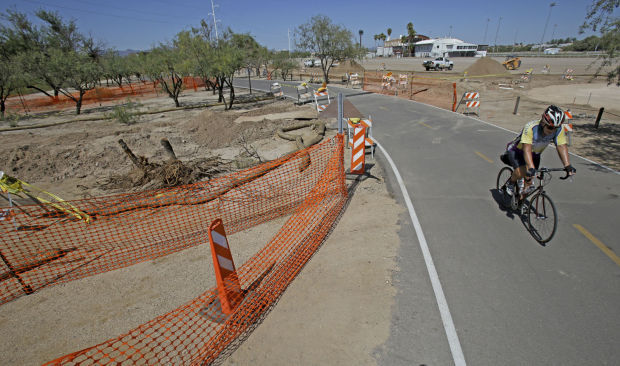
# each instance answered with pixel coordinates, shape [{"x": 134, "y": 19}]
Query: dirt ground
[
  {"x": 337, "y": 311},
  {"x": 74, "y": 160}
]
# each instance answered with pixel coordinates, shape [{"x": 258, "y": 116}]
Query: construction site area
[{"x": 143, "y": 180}]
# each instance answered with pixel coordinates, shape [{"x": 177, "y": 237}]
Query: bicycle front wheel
[
  {"x": 542, "y": 218},
  {"x": 502, "y": 179}
]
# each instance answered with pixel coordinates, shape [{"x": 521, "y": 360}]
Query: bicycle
[{"x": 542, "y": 219}]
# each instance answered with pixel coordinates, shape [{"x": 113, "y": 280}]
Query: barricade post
[
  {"x": 228, "y": 285},
  {"x": 321, "y": 95},
  {"x": 358, "y": 152},
  {"x": 276, "y": 90}
]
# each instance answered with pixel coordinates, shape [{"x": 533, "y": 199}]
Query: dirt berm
[{"x": 486, "y": 66}]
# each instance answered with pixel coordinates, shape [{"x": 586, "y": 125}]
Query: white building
[{"x": 450, "y": 47}]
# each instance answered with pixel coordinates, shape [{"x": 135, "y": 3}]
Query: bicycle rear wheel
[
  {"x": 542, "y": 218},
  {"x": 502, "y": 179}
]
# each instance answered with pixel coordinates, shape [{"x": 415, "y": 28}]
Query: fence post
[
  {"x": 598, "y": 118},
  {"x": 516, "y": 105},
  {"x": 454, "y": 98},
  {"x": 340, "y": 113}
]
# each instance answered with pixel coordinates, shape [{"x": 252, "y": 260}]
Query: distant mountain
[{"x": 127, "y": 52}]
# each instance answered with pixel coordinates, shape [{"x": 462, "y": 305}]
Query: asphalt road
[{"x": 512, "y": 300}]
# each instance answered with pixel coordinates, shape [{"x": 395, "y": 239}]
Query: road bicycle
[{"x": 536, "y": 205}]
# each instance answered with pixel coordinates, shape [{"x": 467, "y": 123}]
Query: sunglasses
[{"x": 552, "y": 128}]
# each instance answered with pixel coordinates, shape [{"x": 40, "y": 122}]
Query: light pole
[
  {"x": 546, "y": 23},
  {"x": 553, "y": 32},
  {"x": 484, "y": 41},
  {"x": 450, "y": 34},
  {"x": 496, "y": 32},
  {"x": 214, "y": 21}
]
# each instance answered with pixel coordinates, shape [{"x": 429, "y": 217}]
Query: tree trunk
[
  {"x": 78, "y": 103},
  {"x": 2, "y": 109},
  {"x": 232, "y": 93}
]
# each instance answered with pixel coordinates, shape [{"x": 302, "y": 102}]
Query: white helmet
[{"x": 553, "y": 116}]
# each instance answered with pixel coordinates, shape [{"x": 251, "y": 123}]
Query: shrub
[{"x": 126, "y": 113}]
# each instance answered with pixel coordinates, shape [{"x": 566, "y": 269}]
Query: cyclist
[{"x": 523, "y": 153}]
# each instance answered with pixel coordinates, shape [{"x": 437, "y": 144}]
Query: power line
[
  {"x": 102, "y": 14},
  {"x": 124, "y": 9}
]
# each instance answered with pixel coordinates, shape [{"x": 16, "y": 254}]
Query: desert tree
[
  {"x": 252, "y": 53},
  {"x": 11, "y": 79},
  {"x": 162, "y": 66},
  {"x": 82, "y": 74},
  {"x": 328, "y": 41},
  {"x": 115, "y": 67},
  {"x": 600, "y": 17},
  {"x": 227, "y": 58},
  {"x": 282, "y": 62}
]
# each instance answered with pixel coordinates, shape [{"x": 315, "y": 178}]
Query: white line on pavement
[{"x": 446, "y": 317}]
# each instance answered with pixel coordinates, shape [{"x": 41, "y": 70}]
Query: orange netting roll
[{"x": 42, "y": 247}]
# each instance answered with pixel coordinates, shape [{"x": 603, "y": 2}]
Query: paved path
[{"x": 513, "y": 301}]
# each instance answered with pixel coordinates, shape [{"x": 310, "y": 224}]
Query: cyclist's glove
[
  {"x": 530, "y": 172},
  {"x": 569, "y": 169}
]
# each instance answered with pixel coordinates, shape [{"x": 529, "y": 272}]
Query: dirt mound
[
  {"x": 486, "y": 66},
  {"x": 350, "y": 66}
]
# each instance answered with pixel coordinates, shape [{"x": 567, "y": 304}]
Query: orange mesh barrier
[
  {"x": 431, "y": 91},
  {"x": 38, "y": 102},
  {"x": 42, "y": 247}
]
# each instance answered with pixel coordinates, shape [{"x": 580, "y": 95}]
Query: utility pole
[
  {"x": 553, "y": 32},
  {"x": 515, "y": 43},
  {"x": 484, "y": 41},
  {"x": 289, "y": 41},
  {"x": 496, "y": 32},
  {"x": 546, "y": 23},
  {"x": 214, "y": 21},
  {"x": 450, "y": 34}
]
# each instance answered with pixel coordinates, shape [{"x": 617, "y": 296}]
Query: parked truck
[{"x": 440, "y": 63}]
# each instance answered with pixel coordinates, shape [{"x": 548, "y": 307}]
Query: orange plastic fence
[
  {"x": 39, "y": 102},
  {"x": 437, "y": 92},
  {"x": 42, "y": 247}
]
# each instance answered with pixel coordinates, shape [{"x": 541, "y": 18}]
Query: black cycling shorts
[{"x": 516, "y": 158}]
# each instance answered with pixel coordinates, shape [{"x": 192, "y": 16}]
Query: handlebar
[{"x": 547, "y": 170}]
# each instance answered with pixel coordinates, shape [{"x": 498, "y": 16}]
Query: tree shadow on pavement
[{"x": 602, "y": 144}]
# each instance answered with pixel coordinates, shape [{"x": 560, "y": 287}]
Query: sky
[{"x": 142, "y": 24}]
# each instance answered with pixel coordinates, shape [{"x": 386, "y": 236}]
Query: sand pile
[{"x": 486, "y": 66}]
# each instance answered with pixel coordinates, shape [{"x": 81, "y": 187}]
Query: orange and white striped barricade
[
  {"x": 472, "y": 102},
  {"x": 526, "y": 77},
  {"x": 387, "y": 82},
  {"x": 403, "y": 81},
  {"x": 321, "y": 95},
  {"x": 276, "y": 90},
  {"x": 368, "y": 140},
  {"x": 303, "y": 93},
  {"x": 358, "y": 152},
  {"x": 354, "y": 80},
  {"x": 568, "y": 74},
  {"x": 228, "y": 286},
  {"x": 568, "y": 127}
]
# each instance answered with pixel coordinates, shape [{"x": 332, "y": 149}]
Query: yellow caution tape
[{"x": 17, "y": 187}]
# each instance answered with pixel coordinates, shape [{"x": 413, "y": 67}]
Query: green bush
[
  {"x": 12, "y": 119},
  {"x": 126, "y": 114}
]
